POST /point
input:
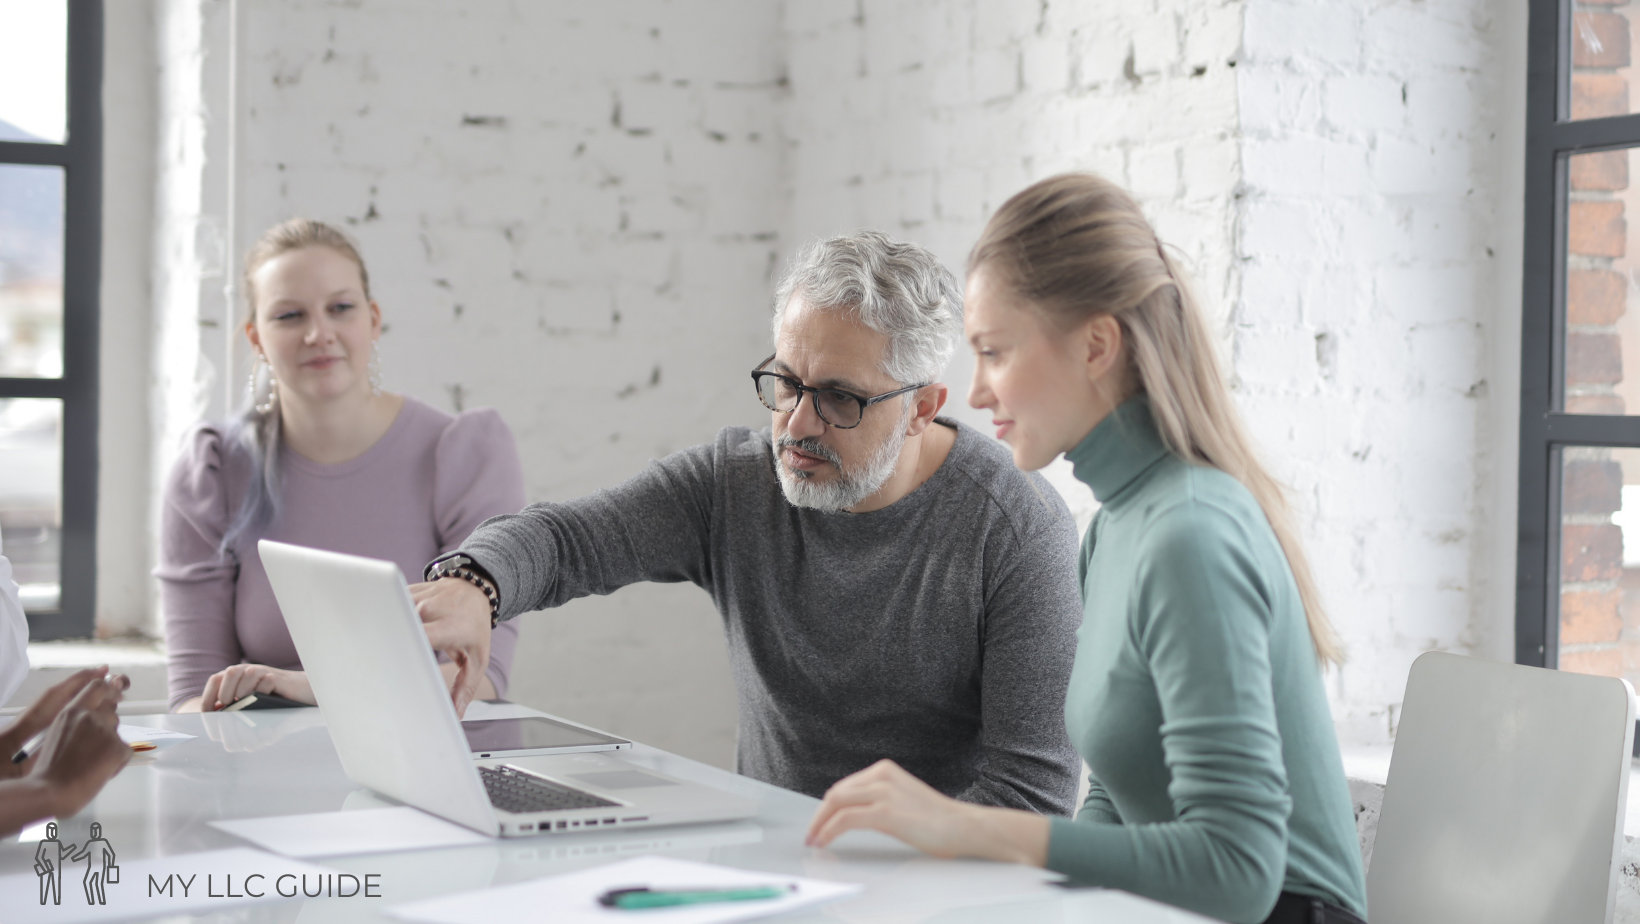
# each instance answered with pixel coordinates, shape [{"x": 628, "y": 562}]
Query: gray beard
[{"x": 849, "y": 487}]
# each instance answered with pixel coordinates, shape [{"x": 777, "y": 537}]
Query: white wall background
[
  {"x": 1377, "y": 324},
  {"x": 130, "y": 153},
  {"x": 575, "y": 212}
]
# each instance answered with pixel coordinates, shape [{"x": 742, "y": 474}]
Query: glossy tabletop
[{"x": 281, "y": 762}]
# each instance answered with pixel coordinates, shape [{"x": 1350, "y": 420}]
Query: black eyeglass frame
[{"x": 759, "y": 374}]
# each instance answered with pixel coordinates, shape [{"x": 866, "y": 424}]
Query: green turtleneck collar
[{"x": 1116, "y": 451}]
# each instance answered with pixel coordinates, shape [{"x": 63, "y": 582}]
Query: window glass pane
[
  {"x": 1602, "y": 358},
  {"x": 34, "y": 70},
  {"x": 31, "y": 271},
  {"x": 31, "y": 465},
  {"x": 1602, "y": 37}
]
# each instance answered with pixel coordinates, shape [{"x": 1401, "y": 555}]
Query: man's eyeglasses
[{"x": 839, "y": 408}]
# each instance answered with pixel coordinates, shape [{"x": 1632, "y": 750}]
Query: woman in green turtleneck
[{"x": 1196, "y": 698}]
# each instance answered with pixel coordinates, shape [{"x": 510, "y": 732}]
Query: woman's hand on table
[
  {"x": 240, "y": 680},
  {"x": 885, "y": 797}
]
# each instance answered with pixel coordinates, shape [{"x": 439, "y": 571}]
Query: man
[
  {"x": 892, "y": 587},
  {"x": 48, "y": 865},
  {"x": 98, "y": 855}
]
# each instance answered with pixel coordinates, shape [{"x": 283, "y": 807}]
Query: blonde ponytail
[{"x": 1077, "y": 246}]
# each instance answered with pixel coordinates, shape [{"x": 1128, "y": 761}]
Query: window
[{"x": 50, "y": 241}]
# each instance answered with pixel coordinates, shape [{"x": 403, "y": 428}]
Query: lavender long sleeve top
[{"x": 411, "y": 497}]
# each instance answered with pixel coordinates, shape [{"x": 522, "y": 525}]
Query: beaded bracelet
[{"x": 472, "y": 577}]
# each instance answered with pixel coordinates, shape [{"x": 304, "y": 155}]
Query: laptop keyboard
[{"x": 513, "y": 791}]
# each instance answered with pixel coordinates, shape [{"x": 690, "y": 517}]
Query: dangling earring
[
  {"x": 273, "y": 386},
  {"x": 375, "y": 369}
]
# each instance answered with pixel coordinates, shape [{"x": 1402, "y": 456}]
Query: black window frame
[{"x": 80, "y": 157}]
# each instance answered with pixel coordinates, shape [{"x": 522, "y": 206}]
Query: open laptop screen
[{"x": 532, "y": 734}]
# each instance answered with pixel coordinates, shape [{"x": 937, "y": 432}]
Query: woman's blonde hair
[
  {"x": 1076, "y": 246},
  {"x": 294, "y": 234}
]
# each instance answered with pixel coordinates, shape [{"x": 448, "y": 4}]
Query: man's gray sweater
[{"x": 937, "y": 632}]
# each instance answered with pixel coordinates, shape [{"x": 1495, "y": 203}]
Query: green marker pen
[{"x": 632, "y": 899}]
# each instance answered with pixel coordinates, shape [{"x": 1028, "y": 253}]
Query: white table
[{"x": 281, "y": 762}]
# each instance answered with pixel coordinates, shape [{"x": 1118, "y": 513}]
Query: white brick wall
[
  {"x": 125, "y": 430},
  {"x": 188, "y": 322},
  {"x": 560, "y": 203},
  {"x": 1375, "y": 203}
]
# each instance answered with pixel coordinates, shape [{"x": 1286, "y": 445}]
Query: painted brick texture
[{"x": 1360, "y": 330}]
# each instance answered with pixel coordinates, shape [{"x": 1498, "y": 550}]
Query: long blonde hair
[{"x": 1076, "y": 246}]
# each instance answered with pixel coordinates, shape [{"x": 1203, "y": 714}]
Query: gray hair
[{"x": 899, "y": 290}]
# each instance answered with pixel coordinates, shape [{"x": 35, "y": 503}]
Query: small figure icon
[
  {"x": 48, "y": 865},
  {"x": 99, "y": 866}
]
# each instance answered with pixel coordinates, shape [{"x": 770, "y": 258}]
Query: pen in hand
[
  {"x": 29, "y": 747},
  {"x": 118, "y": 681},
  {"x": 33, "y": 744},
  {"x": 646, "y": 897}
]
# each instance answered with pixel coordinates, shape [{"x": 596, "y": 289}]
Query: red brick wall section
[{"x": 1599, "y": 599}]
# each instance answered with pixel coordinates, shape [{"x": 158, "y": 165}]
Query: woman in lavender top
[{"x": 323, "y": 457}]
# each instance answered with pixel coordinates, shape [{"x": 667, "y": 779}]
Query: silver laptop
[{"x": 390, "y": 717}]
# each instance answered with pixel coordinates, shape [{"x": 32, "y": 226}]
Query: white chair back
[{"x": 1506, "y": 796}]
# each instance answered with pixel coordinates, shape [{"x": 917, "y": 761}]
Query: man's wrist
[{"x": 462, "y": 567}]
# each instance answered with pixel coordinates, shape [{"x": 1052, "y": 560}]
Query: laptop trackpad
[{"x": 621, "y": 779}]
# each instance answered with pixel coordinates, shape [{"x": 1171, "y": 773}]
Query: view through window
[{"x": 50, "y": 76}]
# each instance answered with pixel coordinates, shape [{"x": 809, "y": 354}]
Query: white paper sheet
[
  {"x": 330, "y": 834},
  {"x": 573, "y": 898},
  {"x": 149, "y": 888},
  {"x": 130, "y": 733}
]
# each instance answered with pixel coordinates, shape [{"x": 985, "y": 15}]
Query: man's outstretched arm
[{"x": 653, "y": 527}]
